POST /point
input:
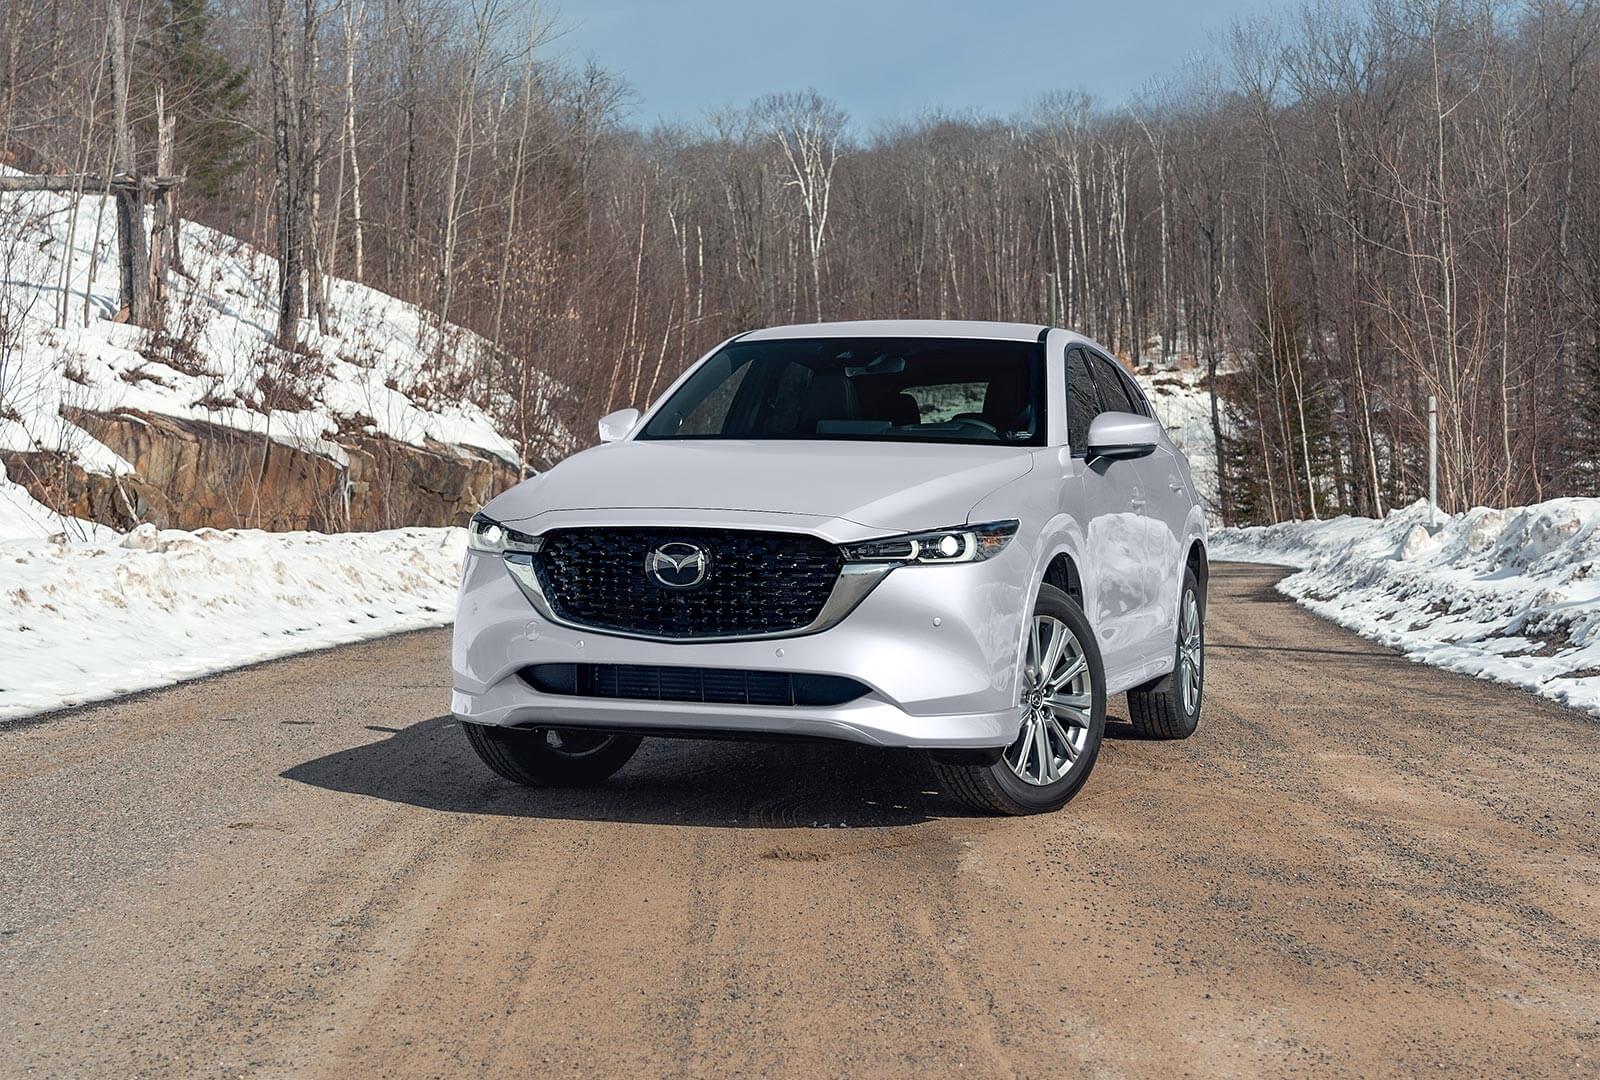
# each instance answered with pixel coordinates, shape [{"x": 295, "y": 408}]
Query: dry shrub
[{"x": 287, "y": 380}]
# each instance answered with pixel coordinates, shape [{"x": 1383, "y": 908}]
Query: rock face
[{"x": 189, "y": 474}]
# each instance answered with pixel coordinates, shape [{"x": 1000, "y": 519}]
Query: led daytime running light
[
  {"x": 493, "y": 538},
  {"x": 960, "y": 544}
]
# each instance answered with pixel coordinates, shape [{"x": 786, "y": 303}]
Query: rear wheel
[
  {"x": 1062, "y": 719},
  {"x": 550, "y": 757},
  {"x": 1169, "y": 708}
]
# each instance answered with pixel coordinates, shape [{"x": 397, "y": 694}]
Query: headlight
[
  {"x": 495, "y": 539},
  {"x": 960, "y": 544}
]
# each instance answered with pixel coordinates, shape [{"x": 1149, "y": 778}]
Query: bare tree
[{"x": 808, "y": 129}]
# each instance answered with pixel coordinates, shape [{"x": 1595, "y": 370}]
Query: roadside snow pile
[
  {"x": 382, "y": 369},
  {"x": 1183, "y": 405},
  {"x": 1511, "y": 594},
  {"x": 90, "y": 620}
]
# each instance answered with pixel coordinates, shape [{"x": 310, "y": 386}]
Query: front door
[{"x": 1111, "y": 507}]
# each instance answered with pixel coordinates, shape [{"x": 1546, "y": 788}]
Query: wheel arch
[
  {"x": 1198, "y": 564},
  {"x": 1063, "y": 573}
]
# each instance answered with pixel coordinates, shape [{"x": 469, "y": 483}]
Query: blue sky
[{"x": 887, "y": 59}]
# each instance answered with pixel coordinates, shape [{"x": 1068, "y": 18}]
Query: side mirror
[
  {"x": 1114, "y": 435},
  {"x": 614, "y": 427}
]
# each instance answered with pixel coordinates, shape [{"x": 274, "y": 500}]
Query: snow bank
[
  {"x": 1511, "y": 594},
  {"x": 377, "y": 371},
  {"x": 88, "y": 620}
]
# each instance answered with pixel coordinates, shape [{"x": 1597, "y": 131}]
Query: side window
[
  {"x": 1083, "y": 404},
  {"x": 1141, "y": 404},
  {"x": 1112, "y": 393}
]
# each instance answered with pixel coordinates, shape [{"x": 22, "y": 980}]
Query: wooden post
[{"x": 133, "y": 243}]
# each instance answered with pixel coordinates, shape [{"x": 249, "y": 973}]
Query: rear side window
[
  {"x": 1135, "y": 395},
  {"x": 1112, "y": 393},
  {"x": 1082, "y": 402}
]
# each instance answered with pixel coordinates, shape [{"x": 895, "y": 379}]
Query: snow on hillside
[
  {"x": 1511, "y": 594},
  {"x": 373, "y": 372},
  {"x": 1183, "y": 405},
  {"x": 88, "y": 620}
]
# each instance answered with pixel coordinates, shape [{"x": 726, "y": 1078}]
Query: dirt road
[{"x": 1358, "y": 865}]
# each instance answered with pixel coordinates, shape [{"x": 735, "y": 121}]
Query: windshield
[{"x": 866, "y": 389}]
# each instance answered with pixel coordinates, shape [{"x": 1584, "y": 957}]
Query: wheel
[
  {"x": 1063, "y": 710},
  {"x": 550, "y": 757},
  {"x": 1169, "y": 708}
]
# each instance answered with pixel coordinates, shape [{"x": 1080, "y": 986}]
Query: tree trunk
[
  {"x": 286, "y": 188},
  {"x": 133, "y": 254}
]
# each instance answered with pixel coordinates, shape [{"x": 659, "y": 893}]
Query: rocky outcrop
[{"x": 190, "y": 473}]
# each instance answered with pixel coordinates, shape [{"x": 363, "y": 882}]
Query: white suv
[{"x": 957, "y": 536}]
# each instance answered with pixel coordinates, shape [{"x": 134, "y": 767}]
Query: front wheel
[
  {"x": 1063, "y": 717},
  {"x": 550, "y": 757}
]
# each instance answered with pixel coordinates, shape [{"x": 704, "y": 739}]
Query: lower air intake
[{"x": 718, "y": 686}]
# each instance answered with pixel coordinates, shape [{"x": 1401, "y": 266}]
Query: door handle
[
  {"x": 1138, "y": 502},
  {"x": 1175, "y": 486}
]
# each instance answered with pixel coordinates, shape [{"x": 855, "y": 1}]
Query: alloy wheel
[
  {"x": 1057, "y": 701},
  {"x": 1191, "y": 654}
]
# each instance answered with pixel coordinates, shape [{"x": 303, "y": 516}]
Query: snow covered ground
[
  {"x": 1511, "y": 594},
  {"x": 91, "y": 619},
  {"x": 383, "y": 368},
  {"x": 87, "y": 613}
]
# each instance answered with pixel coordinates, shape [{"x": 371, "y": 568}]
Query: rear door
[{"x": 1112, "y": 515}]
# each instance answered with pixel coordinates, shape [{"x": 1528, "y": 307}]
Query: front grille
[
  {"x": 722, "y": 686},
  {"x": 755, "y": 582}
]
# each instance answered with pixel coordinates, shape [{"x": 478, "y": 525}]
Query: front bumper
[{"x": 937, "y": 646}]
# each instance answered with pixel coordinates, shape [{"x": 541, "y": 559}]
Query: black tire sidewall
[{"x": 523, "y": 755}]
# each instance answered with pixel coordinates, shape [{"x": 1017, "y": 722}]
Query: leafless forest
[{"x": 1334, "y": 215}]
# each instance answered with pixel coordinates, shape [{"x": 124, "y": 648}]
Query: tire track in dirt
[{"x": 1357, "y": 866}]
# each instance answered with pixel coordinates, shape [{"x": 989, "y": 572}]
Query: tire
[
  {"x": 550, "y": 757},
  {"x": 1169, "y": 708},
  {"x": 1027, "y": 777}
]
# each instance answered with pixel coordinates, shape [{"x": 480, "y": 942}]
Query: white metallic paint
[{"x": 940, "y": 646}]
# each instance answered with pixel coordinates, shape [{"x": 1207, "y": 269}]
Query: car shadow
[{"x": 705, "y": 783}]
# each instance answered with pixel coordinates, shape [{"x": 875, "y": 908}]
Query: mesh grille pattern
[
  {"x": 755, "y": 582},
  {"x": 724, "y": 686}
]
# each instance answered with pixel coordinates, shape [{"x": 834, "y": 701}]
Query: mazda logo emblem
[{"x": 678, "y": 565}]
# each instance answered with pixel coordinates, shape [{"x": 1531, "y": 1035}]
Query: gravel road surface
[{"x": 1357, "y": 866}]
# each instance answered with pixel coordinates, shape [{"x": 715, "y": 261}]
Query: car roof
[{"x": 908, "y": 328}]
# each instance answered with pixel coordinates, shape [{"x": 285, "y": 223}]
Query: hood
[{"x": 889, "y": 486}]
